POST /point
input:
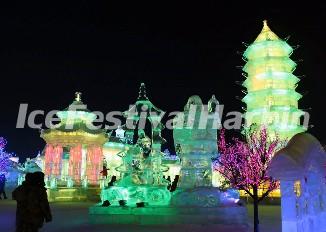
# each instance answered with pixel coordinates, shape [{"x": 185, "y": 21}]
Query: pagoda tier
[{"x": 271, "y": 98}]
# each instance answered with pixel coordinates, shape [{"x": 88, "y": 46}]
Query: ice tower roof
[
  {"x": 76, "y": 126},
  {"x": 142, "y": 103},
  {"x": 266, "y": 34},
  {"x": 77, "y": 104},
  {"x": 78, "y": 116}
]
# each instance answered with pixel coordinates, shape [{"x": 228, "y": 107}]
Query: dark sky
[{"x": 51, "y": 50}]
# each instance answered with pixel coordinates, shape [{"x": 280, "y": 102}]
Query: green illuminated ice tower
[{"x": 271, "y": 97}]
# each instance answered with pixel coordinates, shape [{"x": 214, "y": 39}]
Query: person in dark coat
[
  {"x": 32, "y": 203},
  {"x": 2, "y": 186}
]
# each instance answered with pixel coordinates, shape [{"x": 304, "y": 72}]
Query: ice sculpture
[
  {"x": 271, "y": 96},
  {"x": 195, "y": 136},
  {"x": 74, "y": 151},
  {"x": 300, "y": 167},
  {"x": 142, "y": 170},
  {"x": 141, "y": 184}
]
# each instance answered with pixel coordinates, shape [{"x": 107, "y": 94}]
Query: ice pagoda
[{"x": 271, "y": 97}]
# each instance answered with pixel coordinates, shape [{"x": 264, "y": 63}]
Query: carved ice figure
[
  {"x": 196, "y": 139},
  {"x": 142, "y": 170}
]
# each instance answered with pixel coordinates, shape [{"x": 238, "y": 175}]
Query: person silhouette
[
  {"x": 2, "y": 186},
  {"x": 32, "y": 203}
]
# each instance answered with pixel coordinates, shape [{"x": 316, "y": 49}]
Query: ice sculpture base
[
  {"x": 204, "y": 197},
  {"x": 221, "y": 218},
  {"x": 73, "y": 194},
  {"x": 150, "y": 195}
]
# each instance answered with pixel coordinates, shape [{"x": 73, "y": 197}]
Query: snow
[{"x": 74, "y": 217}]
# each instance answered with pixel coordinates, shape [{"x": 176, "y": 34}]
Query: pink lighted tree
[
  {"x": 244, "y": 165},
  {"x": 4, "y": 156}
]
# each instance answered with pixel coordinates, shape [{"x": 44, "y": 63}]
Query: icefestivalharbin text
[{"x": 114, "y": 119}]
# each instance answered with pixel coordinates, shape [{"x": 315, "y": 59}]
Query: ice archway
[{"x": 300, "y": 167}]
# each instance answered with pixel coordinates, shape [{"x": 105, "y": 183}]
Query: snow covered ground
[{"x": 74, "y": 217}]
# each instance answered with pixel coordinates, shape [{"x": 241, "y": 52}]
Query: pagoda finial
[
  {"x": 265, "y": 23},
  {"x": 78, "y": 96},
  {"x": 265, "y": 26},
  {"x": 142, "y": 92}
]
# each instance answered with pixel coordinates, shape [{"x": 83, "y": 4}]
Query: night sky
[{"x": 104, "y": 50}]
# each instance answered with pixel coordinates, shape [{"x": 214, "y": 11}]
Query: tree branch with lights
[{"x": 244, "y": 164}]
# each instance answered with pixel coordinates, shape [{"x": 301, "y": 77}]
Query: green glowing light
[
  {"x": 71, "y": 117},
  {"x": 152, "y": 195},
  {"x": 271, "y": 97},
  {"x": 141, "y": 179}
]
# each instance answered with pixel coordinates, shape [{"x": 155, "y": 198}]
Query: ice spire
[
  {"x": 266, "y": 34},
  {"x": 142, "y": 92},
  {"x": 78, "y": 96}
]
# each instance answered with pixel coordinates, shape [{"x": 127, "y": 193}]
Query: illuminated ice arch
[{"x": 300, "y": 167}]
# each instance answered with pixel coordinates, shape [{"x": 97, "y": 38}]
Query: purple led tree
[
  {"x": 4, "y": 156},
  {"x": 244, "y": 165}
]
